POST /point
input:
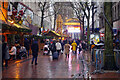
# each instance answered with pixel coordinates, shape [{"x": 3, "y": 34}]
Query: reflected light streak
[
  {"x": 17, "y": 61},
  {"x": 78, "y": 68},
  {"x": 69, "y": 62},
  {"x": 17, "y": 70}
]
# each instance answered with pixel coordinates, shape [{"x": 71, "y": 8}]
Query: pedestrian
[
  {"x": 46, "y": 49},
  {"x": 80, "y": 47},
  {"x": 84, "y": 46},
  {"x": 5, "y": 52},
  {"x": 13, "y": 51},
  {"x": 62, "y": 46},
  {"x": 27, "y": 45},
  {"x": 53, "y": 47},
  {"x": 92, "y": 50},
  {"x": 67, "y": 49},
  {"x": 23, "y": 52},
  {"x": 74, "y": 47},
  {"x": 17, "y": 45},
  {"x": 58, "y": 47},
  {"x": 35, "y": 49},
  {"x": 77, "y": 41}
]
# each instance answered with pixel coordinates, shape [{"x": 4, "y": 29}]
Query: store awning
[
  {"x": 15, "y": 27},
  {"x": 18, "y": 26}
]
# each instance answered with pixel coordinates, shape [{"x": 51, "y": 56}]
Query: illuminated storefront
[{"x": 73, "y": 28}]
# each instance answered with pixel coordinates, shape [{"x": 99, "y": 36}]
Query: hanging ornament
[
  {"x": 14, "y": 12},
  {"x": 21, "y": 12}
]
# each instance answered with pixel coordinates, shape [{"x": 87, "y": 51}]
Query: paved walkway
[{"x": 46, "y": 68}]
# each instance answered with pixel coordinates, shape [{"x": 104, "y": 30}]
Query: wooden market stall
[
  {"x": 52, "y": 34},
  {"x": 13, "y": 30}
]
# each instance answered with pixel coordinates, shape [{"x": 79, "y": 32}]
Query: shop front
[{"x": 14, "y": 32}]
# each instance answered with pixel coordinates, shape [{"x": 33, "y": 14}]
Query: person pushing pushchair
[
  {"x": 23, "y": 52},
  {"x": 46, "y": 49}
]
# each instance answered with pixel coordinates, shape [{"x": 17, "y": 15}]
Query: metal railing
[
  {"x": 117, "y": 58},
  {"x": 98, "y": 58},
  {"x": 84, "y": 74},
  {"x": 99, "y": 61}
]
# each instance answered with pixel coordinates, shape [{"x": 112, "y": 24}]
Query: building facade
[{"x": 116, "y": 18}]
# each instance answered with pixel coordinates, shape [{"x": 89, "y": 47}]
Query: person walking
[
  {"x": 53, "y": 47},
  {"x": 58, "y": 47},
  {"x": 27, "y": 45},
  {"x": 13, "y": 51},
  {"x": 80, "y": 47},
  {"x": 74, "y": 47},
  {"x": 83, "y": 46},
  {"x": 35, "y": 49},
  {"x": 5, "y": 52},
  {"x": 67, "y": 50}
]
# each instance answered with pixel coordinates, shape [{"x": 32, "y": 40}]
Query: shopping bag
[{"x": 50, "y": 54}]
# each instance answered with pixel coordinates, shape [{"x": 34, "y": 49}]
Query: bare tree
[
  {"x": 56, "y": 8},
  {"x": 79, "y": 15},
  {"x": 44, "y": 8},
  {"x": 84, "y": 7}
]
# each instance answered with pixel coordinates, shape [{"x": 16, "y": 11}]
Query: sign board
[{"x": 73, "y": 29}]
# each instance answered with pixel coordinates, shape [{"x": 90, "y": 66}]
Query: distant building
[{"x": 116, "y": 17}]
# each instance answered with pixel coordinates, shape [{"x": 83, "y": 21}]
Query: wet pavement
[{"x": 60, "y": 68}]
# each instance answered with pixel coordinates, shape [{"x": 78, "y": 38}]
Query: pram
[
  {"x": 22, "y": 55},
  {"x": 46, "y": 50}
]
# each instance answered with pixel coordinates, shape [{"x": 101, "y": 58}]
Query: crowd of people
[
  {"x": 63, "y": 47},
  {"x": 15, "y": 51},
  {"x": 55, "y": 47}
]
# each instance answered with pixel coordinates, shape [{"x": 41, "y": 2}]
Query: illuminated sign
[{"x": 73, "y": 29}]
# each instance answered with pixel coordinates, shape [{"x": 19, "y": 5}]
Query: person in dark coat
[
  {"x": 53, "y": 47},
  {"x": 27, "y": 45},
  {"x": 35, "y": 49},
  {"x": 5, "y": 53},
  {"x": 83, "y": 45}
]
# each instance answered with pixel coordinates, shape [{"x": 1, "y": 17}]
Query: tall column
[{"x": 109, "y": 55}]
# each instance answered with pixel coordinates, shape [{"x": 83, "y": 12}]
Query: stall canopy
[
  {"x": 14, "y": 27},
  {"x": 52, "y": 33}
]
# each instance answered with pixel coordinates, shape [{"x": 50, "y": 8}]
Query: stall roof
[
  {"x": 55, "y": 33},
  {"x": 51, "y": 31},
  {"x": 15, "y": 27}
]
